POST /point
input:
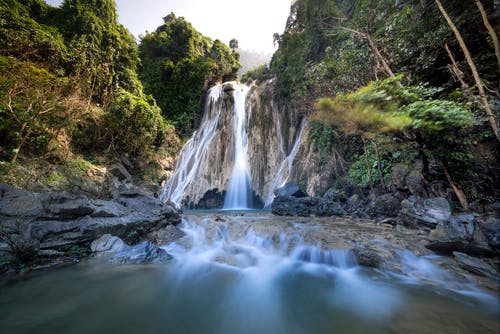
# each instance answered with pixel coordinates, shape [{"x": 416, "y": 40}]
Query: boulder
[
  {"x": 386, "y": 205},
  {"x": 56, "y": 221},
  {"x": 334, "y": 195},
  {"x": 212, "y": 199},
  {"x": 457, "y": 235},
  {"x": 107, "y": 244},
  {"x": 326, "y": 208},
  {"x": 458, "y": 228},
  {"x": 418, "y": 212},
  {"x": 290, "y": 189},
  {"x": 145, "y": 252},
  {"x": 491, "y": 230},
  {"x": 475, "y": 265},
  {"x": 294, "y": 206}
]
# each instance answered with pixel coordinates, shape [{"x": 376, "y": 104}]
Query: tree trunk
[
  {"x": 368, "y": 167},
  {"x": 456, "y": 189},
  {"x": 493, "y": 35},
  {"x": 475, "y": 73},
  {"x": 459, "y": 74}
]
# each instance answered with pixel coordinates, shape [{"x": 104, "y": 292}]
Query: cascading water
[
  {"x": 194, "y": 150},
  {"x": 238, "y": 193},
  {"x": 285, "y": 168}
]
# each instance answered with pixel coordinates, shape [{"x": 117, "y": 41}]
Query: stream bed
[{"x": 252, "y": 273}]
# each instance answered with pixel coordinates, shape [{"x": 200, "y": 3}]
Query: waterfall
[
  {"x": 285, "y": 169},
  {"x": 239, "y": 193},
  {"x": 194, "y": 150}
]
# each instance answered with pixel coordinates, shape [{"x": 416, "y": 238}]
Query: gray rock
[
  {"x": 334, "y": 195},
  {"x": 457, "y": 235},
  {"x": 53, "y": 221},
  {"x": 60, "y": 206},
  {"x": 107, "y": 244},
  {"x": 290, "y": 189},
  {"x": 386, "y": 205},
  {"x": 353, "y": 203},
  {"x": 491, "y": 230},
  {"x": 293, "y": 206},
  {"x": 475, "y": 265},
  {"x": 416, "y": 211},
  {"x": 458, "y": 227},
  {"x": 326, "y": 208},
  {"x": 145, "y": 252}
]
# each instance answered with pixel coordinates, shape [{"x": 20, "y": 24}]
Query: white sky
[{"x": 251, "y": 22}]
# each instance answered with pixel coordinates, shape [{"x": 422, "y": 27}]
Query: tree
[
  {"x": 233, "y": 44},
  {"x": 178, "y": 64},
  {"x": 479, "y": 84},
  {"x": 31, "y": 103}
]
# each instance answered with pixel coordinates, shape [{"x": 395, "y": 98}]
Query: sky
[{"x": 251, "y": 22}]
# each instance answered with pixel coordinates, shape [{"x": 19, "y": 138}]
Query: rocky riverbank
[{"x": 44, "y": 229}]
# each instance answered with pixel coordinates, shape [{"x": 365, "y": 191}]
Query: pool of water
[{"x": 253, "y": 284}]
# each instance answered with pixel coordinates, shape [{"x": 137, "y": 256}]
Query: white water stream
[
  {"x": 191, "y": 155},
  {"x": 238, "y": 192}
]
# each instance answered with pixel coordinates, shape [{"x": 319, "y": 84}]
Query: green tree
[{"x": 178, "y": 64}]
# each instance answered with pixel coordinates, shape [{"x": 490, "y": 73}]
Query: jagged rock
[
  {"x": 107, "y": 243},
  {"x": 416, "y": 211},
  {"x": 353, "y": 203},
  {"x": 145, "y": 252},
  {"x": 294, "y": 206},
  {"x": 457, "y": 234},
  {"x": 458, "y": 227},
  {"x": 120, "y": 172},
  {"x": 334, "y": 195},
  {"x": 290, "y": 189},
  {"x": 165, "y": 235},
  {"x": 328, "y": 208},
  {"x": 386, "y": 205},
  {"x": 405, "y": 179},
  {"x": 212, "y": 199},
  {"x": 63, "y": 207},
  {"x": 475, "y": 265},
  {"x": 55, "y": 221},
  {"x": 491, "y": 230}
]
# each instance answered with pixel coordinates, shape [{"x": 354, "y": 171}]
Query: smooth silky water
[{"x": 228, "y": 278}]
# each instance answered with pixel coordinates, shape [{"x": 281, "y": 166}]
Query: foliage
[
  {"x": 258, "y": 74},
  {"x": 135, "y": 124},
  {"x": 31, "y": 105},
  {"x": 68, "y": 82},
  {"x": 320, "y": 53},
  {"x": 178, "y": 63}
]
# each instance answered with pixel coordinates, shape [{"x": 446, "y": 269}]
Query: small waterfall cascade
[
  {"x": 196, "y": 148},
  {"x": 239, "y": 192},
  {"x": 285, "y": 168}
]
